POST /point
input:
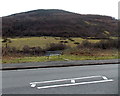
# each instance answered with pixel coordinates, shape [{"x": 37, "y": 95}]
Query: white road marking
[
  {"x": 65, "y": 85},
  {"x": 33, "y": 85},
  {"x": 72, "y": 80},
  {"x": 104, "y": 77},
  {"x": 64, "y": 80}
]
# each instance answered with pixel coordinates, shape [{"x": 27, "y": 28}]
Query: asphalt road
[{"x": 18, "y": 81}]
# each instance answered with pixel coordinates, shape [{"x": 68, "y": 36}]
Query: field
[
  {"x": 72, "y": 53},
  {"x": 43, "y": 42}
]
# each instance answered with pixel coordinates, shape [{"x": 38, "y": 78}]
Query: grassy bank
[
  {"x": 109, "y": 54},
  {"x": 43, "y": 42},
  {"x": 56, "y": 58}
]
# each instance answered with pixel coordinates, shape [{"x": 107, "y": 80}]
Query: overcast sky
[{"x": 102, "y": 7}]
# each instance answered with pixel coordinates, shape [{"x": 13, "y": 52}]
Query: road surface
[{"x": 18, "y": 81}]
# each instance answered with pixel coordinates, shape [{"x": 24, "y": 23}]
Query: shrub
[
  {"x": 12, "y": 49},
  {"x": 103, "y": 44},
  {"x": 61, "y": 41},
  {"x": 36, "y": 50},
  {"x": 85, "y": 44},
  {"x": 71, "y": 40},
  {"x": 76, "y": 43},
  {"x": 65, "y": 41},
  {"x": 33, "y": 50},
  {"x": 56, "y": 46},
  {"x": 26, "y": 49},
  {"x": 9, "y": 50},
  {"x": 107, "y": 44}
]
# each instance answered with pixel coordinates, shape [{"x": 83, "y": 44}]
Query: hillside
[{"x": 55, "y": 22}]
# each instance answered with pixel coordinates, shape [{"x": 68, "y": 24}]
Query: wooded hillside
[{"x": 58, "y": 23}]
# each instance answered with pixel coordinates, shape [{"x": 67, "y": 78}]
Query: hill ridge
[{"x": 57, "y": 22}]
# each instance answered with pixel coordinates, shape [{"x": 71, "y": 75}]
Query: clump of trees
[
  {"x": 108, "y": 44},
  {"x": 33, "y": 50},
  {"x": 103, "y": 44},
  {"x": 26, "y": 50}
]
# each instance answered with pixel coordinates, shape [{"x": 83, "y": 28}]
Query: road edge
[{"x": 55, "y": 66}]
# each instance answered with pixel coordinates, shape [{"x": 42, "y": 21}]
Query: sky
[{"x": 101, "y": 7}]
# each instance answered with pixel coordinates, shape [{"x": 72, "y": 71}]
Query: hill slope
[{"x": 58, "y": 23}]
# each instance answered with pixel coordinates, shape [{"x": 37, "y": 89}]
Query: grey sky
[{"x": 102, "y": 7}]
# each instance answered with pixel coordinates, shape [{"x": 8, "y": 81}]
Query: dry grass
[
  {"x": 71, "y": 54},
  {"x": 43, "y": 42}
]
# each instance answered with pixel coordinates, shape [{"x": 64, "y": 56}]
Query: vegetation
[
  {"x": 79, "y": 37},
  {"x": 56, "y": 46},
  {"x": 103, "y": 44},
  {"x": 54, "y": 58},
  {"x": 58, "y": 23},
  {"x": 44, "y": 41},
  {"x": 101, "y": 49}
]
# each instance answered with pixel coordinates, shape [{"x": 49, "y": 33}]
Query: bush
[
  {"x": 65, "y": 41},
  {"x": 12, "y": 50},
  {"x": 9, "y": 50},
  {"x": 61, "y": 41},
  {"x": 56, "y": 46},
  {"x": 85, "y": 44},
  {"x": 26, "y": 49},
  {"x": 36, "y": 50},
  {"x": 71, "y": 40},
  {"x": 76, "y": 43},
  {"x": 107, "y": 44},
  {"x": 103, "y": 44},
  {"x": 33, "y": 50}
]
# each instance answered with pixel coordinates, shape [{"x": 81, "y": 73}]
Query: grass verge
[{"x": 55, "y": 58}]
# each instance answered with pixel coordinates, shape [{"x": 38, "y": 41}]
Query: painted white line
[
  {"x": 72, "y": 81},
  {"x": 64, "y": 80},
  {"x": 33, "y": 85},
  {"x": 104, "y": 77},
  {"x": 65, "y": 85}
]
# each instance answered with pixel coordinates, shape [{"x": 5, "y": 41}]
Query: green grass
[
  {"x": 32, "y": 42},
  {"x": 114, "y": 37},
  {"x": 56, "y": 58},
  {"x": 43, "y": 42}
]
